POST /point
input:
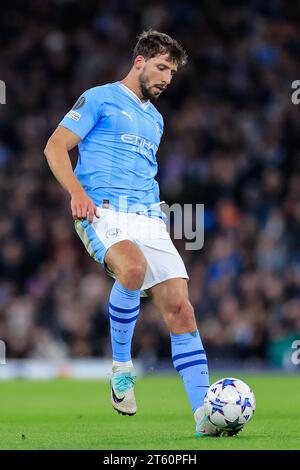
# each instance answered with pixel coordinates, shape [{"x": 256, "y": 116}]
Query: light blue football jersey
[{"x": 120, "y": 136}]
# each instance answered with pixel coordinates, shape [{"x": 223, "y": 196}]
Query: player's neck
[{"x": 133, "y": 85}]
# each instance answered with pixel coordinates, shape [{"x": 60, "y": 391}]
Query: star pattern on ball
[
  {"x": 233, "y": 424},
  {"x": 246, "y": 404},
  {"x": 217, "y": 408},
  {"x": 228, "y": 382}
]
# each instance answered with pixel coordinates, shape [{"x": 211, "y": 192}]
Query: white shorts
[{"x": 148, "y": 233}]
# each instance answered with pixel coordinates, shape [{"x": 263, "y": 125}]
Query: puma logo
[{"x": 127, "y": 114}]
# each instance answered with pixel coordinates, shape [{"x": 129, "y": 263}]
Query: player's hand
[{"x": 83, "y": 207}]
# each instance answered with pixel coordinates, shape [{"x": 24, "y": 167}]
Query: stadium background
[{"x": 231, "y": 141}]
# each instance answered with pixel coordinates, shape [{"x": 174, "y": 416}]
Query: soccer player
[{"x": 116, "y": 207}]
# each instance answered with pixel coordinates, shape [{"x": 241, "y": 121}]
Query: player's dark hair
[{"x": 152, "y": 43}]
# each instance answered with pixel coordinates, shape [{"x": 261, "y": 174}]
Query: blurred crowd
[{"x": 231, "y": 142}]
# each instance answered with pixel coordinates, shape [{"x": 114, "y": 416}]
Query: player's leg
[
  {"x": 128, "y": 264},
  {"x": 189, "y": 357},
  {"x": 108, "y": 242}
]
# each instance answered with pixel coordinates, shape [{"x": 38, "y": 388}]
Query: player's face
[{"x": 156, "y": 75}]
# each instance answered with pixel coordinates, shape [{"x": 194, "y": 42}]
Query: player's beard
[{"x": 145, "y": 88}]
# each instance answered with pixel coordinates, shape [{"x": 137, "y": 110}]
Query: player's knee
[
  {"x": 189, "y": 315},
  {"x": 178, "y": 305},
  {"x": 173, "y": 306},
  {"x": 180, "y": 311},
  {"x": 134, "y": 274}
]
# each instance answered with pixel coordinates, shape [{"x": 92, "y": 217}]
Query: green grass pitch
[{"x": 70, "y": 414}]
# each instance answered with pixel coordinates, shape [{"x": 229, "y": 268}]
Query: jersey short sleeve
[{"x": 85, "y": 113}]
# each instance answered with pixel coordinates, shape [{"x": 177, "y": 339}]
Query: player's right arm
[
  {"x": 57, "y": 153},
  {"x": 73, "y": 128}
]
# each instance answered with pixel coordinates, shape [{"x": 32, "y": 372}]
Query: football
[{"x": 229, "y": 404}]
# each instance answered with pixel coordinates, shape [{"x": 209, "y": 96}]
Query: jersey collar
[{"x": 134, "y": 96}]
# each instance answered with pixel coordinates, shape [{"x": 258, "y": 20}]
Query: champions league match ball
[{"x": 229, "y": 404}]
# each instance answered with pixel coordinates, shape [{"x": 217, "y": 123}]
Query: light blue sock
[
  {"x": 189, "y": 359},
  {"x": 124, "y": 306}
]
